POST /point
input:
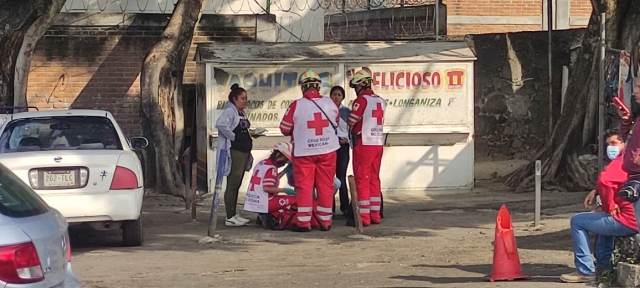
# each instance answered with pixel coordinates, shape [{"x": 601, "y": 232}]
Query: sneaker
[
  {"x": 233, "y": 222},
  {"x": 241, "y": 219},
  {"x": 577, "y": 277}
]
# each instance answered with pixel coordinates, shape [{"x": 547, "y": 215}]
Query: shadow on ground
[
  {"x": 167, "y": 228},
  {"x": 559, "y": 240},
  {"x": 538, "y": 272}
]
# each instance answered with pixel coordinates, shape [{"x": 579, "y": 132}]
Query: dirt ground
[{"x": 441, "y": 240}]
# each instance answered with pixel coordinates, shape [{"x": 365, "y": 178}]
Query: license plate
[{"x": 59, "y": 178}]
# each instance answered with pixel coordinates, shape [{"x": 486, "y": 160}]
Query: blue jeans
[{"x": 606, "y": 229}]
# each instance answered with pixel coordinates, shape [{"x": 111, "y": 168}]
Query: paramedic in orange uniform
[
  {"x": 366, "y": 121},
  {"x": 312, "y": 121}
]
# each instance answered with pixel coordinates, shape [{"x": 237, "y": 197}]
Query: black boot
[
  {"x": 325, "y": 228},
  {"x": 295, "y": 228}
]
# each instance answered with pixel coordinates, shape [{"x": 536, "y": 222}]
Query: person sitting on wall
[
  {"x": 263, "y": 195},
  {"x": 617, "y": 219}
]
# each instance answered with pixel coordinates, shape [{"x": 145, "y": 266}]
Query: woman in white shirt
[{"x": 337, "y": 95}]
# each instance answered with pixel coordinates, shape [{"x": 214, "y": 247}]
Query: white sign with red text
[{"x": 421, "y": 94}]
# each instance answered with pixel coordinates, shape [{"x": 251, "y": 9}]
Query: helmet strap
[
  {"x": 308, "y": 86},
  {"x": 361, "y": 87}
]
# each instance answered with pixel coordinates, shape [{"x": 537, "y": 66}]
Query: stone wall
[{"x": 511, "y": 90}]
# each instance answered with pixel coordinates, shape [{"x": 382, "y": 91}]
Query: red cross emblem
[
  {"x": 378, "y": 113},
  {"x": 318, "y": 123},
  {"x": 255, "y": 180}
]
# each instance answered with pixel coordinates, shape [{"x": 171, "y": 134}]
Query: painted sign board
[
  {"x": 420, "y": 94},
  {"x": 270, "y": 90}
]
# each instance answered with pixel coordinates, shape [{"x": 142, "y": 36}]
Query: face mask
[{"x": 613, "y": 151}]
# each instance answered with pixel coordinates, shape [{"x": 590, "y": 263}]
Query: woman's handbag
[{"x": 249, "y": 163}]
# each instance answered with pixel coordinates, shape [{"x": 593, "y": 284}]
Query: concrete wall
[
  {"x": 511, "y": 91},
  {"x": 94, "y": 61},
  {"x": 296, "y": 19}
]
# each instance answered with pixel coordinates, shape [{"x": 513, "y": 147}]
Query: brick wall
[
  {"x": 580, "y": 8},
  {"x": 462, "y": 17},
  {"x": 98, "y": 67},
  {"x": 464, "y": 29}
]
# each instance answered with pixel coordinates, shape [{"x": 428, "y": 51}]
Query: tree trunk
[
  {"x": 31, "y": 38},
  {"x": 161, "y": 99},
  {"x": 16, "y": 18},
  {"x": 576, "y": 128}
]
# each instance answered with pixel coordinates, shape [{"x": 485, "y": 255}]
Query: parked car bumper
[
  {"x": 116, "y": 205},
  {"x": 70, "y": 281}
]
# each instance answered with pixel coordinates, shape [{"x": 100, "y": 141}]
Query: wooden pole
[
  {"x": 354, "y": 205},
  {"x": 550, "y": 62},
  {"x": 601, "y": 78},
  {"x": 194, "y": 186}
]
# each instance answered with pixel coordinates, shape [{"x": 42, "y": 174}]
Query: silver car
[{"x": 34, "y": 243}]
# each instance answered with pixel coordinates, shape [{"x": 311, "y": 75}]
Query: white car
[{"x": 81, "y": 164}]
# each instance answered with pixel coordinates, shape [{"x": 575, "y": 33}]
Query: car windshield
[
  {"x": 59, "y": 133},
  {"x": 17, "y": 200}
]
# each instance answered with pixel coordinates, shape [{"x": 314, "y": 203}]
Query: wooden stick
[
  {"x": 194, "y": 187},
  {"x": 354, "y": 204}
]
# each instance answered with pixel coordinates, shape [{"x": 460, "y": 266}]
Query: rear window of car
[
  {"x": 59, "y": 133},
  {"x": 17, "y": 200}
]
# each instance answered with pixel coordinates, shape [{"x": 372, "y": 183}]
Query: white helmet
[{"x": 284, "y": 148}]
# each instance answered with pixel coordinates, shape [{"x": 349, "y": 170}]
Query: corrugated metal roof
[{"x": 391, "y": 51}]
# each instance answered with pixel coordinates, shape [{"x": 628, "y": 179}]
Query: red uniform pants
[
  {"x": 279, "y": 202},
  {"x": 309, "y": 172},
  {"x": 366, "y": 171}
]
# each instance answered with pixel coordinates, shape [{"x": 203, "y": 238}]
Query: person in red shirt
[
  {"x": 367, "y": 137},
  {"x": 617, "y": 219},
  {"x": 312, "y": 123},
  {"x": 264, "y": 196}
]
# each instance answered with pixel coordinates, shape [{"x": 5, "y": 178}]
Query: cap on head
[
  {"x": 309, "y": 79},
  {"x": 284, "y": 148}
]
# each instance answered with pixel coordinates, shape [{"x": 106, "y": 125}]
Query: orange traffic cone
[{"x": 506, "y": 263}]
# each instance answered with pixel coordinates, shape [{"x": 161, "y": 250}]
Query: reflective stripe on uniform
[
  {"x": 304, "y": 218},
  {"x": 305, "y": 209},
  {"x": 324, "y": 209}
]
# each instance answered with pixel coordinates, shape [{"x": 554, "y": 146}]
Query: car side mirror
[{"x": 139, "y": 142}]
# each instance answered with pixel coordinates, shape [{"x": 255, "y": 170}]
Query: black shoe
[
  {"x": 325, "y": 228},
  {"x": 295, "y": 228},
  {"x": 375, "y": 222}
]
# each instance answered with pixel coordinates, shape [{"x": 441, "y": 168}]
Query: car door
[{"x": 44, "y": 226}]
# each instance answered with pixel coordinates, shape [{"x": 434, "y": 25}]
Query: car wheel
[{"x": 132, "y": 233}]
